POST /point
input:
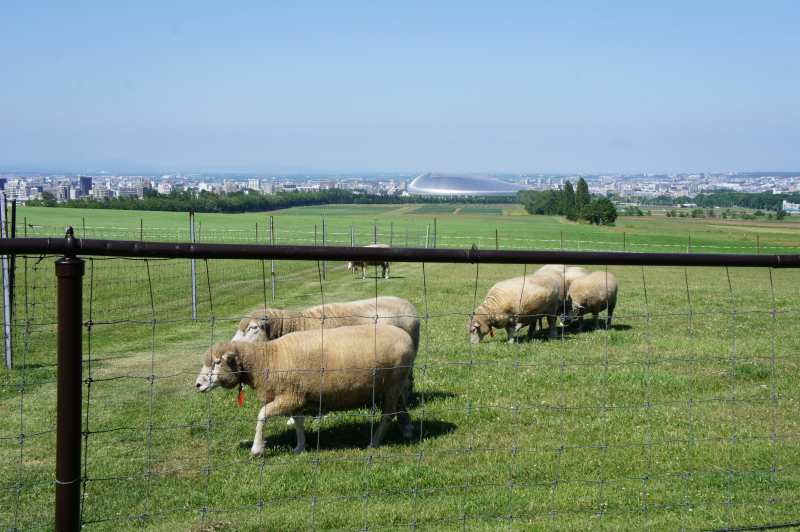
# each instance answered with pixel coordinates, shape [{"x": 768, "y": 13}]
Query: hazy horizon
[{"x": 453, "y": 87}]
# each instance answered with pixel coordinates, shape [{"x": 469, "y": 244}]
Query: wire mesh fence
[{"x": 681, "y": 415}]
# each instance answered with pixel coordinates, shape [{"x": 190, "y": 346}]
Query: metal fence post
[
  {"x": 6, "y": 281},
  {"x": 194, "y": 267},
  {"x": 272, "y": 262},
  {"x": 69, "y": 270},
  {"x": 324, "y": 262}
]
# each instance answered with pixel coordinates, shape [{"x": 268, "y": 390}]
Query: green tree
[
  {"x": 600, "y": 211},
  {"x": 48, "y": 200},
  {"x": 568, "y": 206},
  {"x": 582, "y": 196}
]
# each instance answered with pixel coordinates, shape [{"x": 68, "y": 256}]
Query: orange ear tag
[
  {"x": 491, "y": 332},
  {"x": 241, "y": 396}
]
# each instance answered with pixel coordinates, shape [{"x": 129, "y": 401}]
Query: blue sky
[{"x": 401, "y": 86}]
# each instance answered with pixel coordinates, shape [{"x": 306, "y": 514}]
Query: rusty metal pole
[{"x": 69, "y": 270}]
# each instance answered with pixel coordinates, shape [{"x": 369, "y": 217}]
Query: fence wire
[{"x": 682, "y": 415}]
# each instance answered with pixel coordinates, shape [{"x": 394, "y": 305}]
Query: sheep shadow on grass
[
  {"x": 417, "y": 399},
  {"x": 350, "y": 435},
  {"x": 570, "y": 330},
  {"x": 589, "y": 326}
]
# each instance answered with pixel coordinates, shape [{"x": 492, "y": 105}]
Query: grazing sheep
[
  {"x": 556, "y": 273},
  {"x": 568, "y": 273},
  {"x": 308, "y": 372},
  {"x": 565, "y": 275},
  {"x": 270, "y": 323},
  {"x": 515, "y": 303},
  {"x": 572, "y": 273},
  {"x": 354, "y": 266},
  {"x": 591, "y": 294}
]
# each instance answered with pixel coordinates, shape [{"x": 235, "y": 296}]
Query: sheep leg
[
  {"x": 551, "y": 323},
  {"x": 531, "y": 329},
  {"x": 300, "y": 430},
  {"x": 610, "y": 315},
  {"x": 274, "y": 408},
  {"x": 580, "y": 323},
  {"x": 258, "y": 440},
  {"x": 594, "y": 320},
  {"x": 405, "y": 419},
  {"x": 510, "y": 332},
  {"x": 387, "y": 413}
]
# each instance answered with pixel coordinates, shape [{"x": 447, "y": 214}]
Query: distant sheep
[
  {"x": 592, "y": 294},
  {"x": 302, "y": 374},
  {"x": 354, "y": 266},
  {"x": 514, "y": 303}
]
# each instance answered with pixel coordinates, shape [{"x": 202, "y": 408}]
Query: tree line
[
  {"x": 725, "y": 198},
  {"x": 238, "y": 202},
  {"x": 573, "y": 203}
]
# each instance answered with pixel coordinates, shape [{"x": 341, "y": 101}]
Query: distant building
[
  {"x": 127, "y": 191},
  {"x": 61, "y": 192},
  {"x": 791, "y": 207},
  {"x": 17, "y": 189},
  {"x": 84, "y": 185},
  {"x": 100, "y": 192},
  {"x": 461, "y": 185},
  {"x": 254, "y": 184},
  {"x": 165, "y": 187}
]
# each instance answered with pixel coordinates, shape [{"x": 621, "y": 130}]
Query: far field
[
  {"x": 684, "y": 415},
  {"x": 456, "y": 226}
]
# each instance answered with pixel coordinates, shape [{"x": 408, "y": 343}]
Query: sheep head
[
  {"x": 252, "y": 329},
  {"x": 221, "y": 367},
  {"x": 571, "y": 310},
  {"x": 479, "y": 326}
]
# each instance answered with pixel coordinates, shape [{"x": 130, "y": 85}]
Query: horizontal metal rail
[{"x": 144, "y": 249}]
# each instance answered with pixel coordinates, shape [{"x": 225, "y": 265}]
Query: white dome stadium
[{"x": 461, "y": 185}]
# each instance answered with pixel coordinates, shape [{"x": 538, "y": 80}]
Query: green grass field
[{"x": 683, "y": 416}]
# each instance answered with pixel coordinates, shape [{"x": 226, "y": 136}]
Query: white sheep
[
  {"x": 354, "y": 265},
  {"x": 564, "y": 275},
  {"x": 269, "y": 323},
  {"x": 591, "y": 294},
  {"x": 515, "y": 303},
  {"x": 567, "y": 273},
  {"x": 311, "y": 372}
]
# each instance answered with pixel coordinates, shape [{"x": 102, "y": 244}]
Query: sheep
[
  {"x": 308, "y": 372},
  {"x": 353, "y": 265},
  {"x": 269, "y": 323},
  {"x": 515, "y": 303},
  {"x": 565, "y": 275},
  {"x": 591, "y": 294}
]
